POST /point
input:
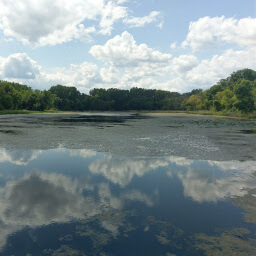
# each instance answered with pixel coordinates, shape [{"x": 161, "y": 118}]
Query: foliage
[{"x": 235, "y": 93}]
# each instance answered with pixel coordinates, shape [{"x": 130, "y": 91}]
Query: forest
[{"x": 234, "y": 93}]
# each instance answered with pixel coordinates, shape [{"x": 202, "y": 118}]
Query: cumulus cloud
[
  {"x": 83, "y": 76},
  {"x": 209, "y": 31},
  {"x": 122, "y": 1},
  {"x": 123, "y": 51},
  {"x": 126, "y": 64},
  {"x": 45, "y": 22},
  {"x": 109, "y": 75},
  {"x": 110, "y": 14},
  {"x": 142, "y": 21},
  {"x": 19, "y": 65},
  {"x": 184, "y": 63},
  {"x": 208, "y": 72},
  {"x": 83, "y": 33},
  {"x": 130, "y": 65}
]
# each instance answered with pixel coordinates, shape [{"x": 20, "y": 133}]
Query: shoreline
[{"x": 144, "y": 112}]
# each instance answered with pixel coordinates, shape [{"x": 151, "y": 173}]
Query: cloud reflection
[
  {"x": 122, "y": 170},
  {"x": 19, "y": 157},
  {"x": 41, "y": 199},
  {"x": 203, "y": 185}
]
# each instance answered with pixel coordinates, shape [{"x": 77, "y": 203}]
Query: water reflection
[
  {"x": 40, "y": 199},
  {"x": 18, "y": 157},
  {"x": 108, "y": 197},
  {"x": 121, "y": 170}
]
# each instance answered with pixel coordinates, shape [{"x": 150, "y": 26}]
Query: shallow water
[{"x": 127, "y": 185}]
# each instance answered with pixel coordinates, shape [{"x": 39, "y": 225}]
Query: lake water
[{"x": 127, "y": 184}]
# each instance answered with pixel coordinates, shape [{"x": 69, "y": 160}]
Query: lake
[{"x": 127, "y": 184}]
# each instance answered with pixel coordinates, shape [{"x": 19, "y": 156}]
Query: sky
[{"x": 175, "y": 45}]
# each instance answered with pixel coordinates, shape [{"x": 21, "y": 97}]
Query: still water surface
[{"x": 79, "y": 196}]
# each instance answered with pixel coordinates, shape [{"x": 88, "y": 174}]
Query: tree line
[{"x": 235, "y": 93}]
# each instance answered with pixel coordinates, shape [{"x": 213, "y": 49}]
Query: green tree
[{"x": 244, "y": 95}]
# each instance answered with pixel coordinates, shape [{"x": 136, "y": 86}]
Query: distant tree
[{"x": 244, "y": 95}]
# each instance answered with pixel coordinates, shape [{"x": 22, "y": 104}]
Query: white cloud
[
  {"x": 83, "y": 33},
  {"x": 208, "y": 72},
  {"x": 143, "y": 71},
  {"x": 18, "y": 65},
  {"x": 109, "y": 75},
  {"x": 184, "y": 63},
  {"x": 45, "y": 22},
  {"x": 173, "y": 45},
  {"x": 142, "y": 21},
  {"x": 123, "y": 51},
  {"x": 84, "y": 76},
  {"x": 130, "y": 65},
  {"x": 209, "y": 31},
  {"x": 122, "y": 1},
  {"x": 110, "y": 14},
  {"x": 160, "y": 25}
]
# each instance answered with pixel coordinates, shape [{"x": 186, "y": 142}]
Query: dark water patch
[
  {"x": 251, "y": 131},
  {"x": 113, "y": 119},
  {"x": 13, "y": 132}
]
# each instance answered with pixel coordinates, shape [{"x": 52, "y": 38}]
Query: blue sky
[{"x": 163, "y": 44}]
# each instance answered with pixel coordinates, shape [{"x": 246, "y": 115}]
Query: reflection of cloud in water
[
  {"x": 180, "y": 161},
  {"x": 24, "y": 157},
  {"x": 42, "y": 198},
  {"x": 246, "y": 166},
  {"x": 121, "y": 171},
  {"x": 84, "y": 153},
  {"x": 199, "y": 184},
  {"x": 136, "y": 195},
  {"x": 19, "y": 157},
  {"x": 202, "y": 186}
]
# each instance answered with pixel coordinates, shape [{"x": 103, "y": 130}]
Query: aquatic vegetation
[{"x": 226, "y": 243}]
